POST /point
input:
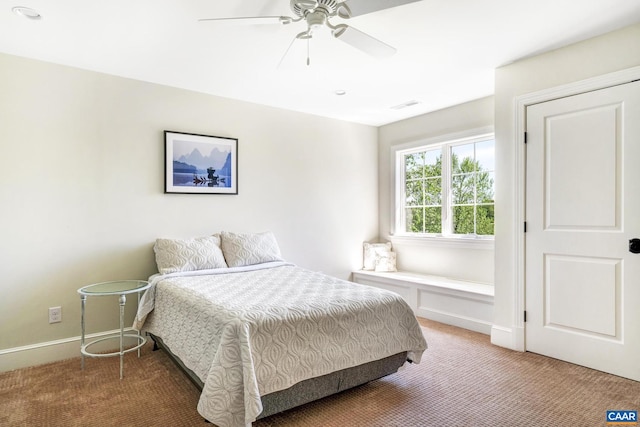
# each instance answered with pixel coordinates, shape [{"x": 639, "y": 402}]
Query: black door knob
[{"x": 634, "y": 246}]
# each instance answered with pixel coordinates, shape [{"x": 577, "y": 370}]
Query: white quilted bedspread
[{"x": 250, "y": 333}]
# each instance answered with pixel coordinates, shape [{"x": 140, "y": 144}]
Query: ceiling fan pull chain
[{"x": 308, "y": 54}]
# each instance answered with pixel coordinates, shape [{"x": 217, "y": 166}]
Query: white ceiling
[{"x": 447, "y": 49}]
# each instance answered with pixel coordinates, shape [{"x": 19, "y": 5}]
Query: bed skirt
[{"x": 312, "y": 389}]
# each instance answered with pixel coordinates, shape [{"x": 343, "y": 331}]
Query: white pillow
[
  {"x": 386, "y": 262},
  {"x": 372, "y": 251},
  {"x": 249, "y": 248},
  {"x": 199, "y": 253}
]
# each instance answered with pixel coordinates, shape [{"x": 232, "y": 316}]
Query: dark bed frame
[{"x": 308, "y": 390}]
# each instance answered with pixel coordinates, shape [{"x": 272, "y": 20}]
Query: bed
[{"x": 259, "y": 335}]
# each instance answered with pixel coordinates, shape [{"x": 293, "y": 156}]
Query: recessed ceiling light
[
  {"x": 340, "y": 92},
  {"x": 27, "y": 12}
]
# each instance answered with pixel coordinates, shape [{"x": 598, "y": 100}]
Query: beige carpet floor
[{"x": 463, "y": 381}]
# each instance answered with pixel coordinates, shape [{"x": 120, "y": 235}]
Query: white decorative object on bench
[{"x": 378, "y": 257}]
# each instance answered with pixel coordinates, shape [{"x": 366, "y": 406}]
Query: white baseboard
[
  {"x": 460, "y": 321},
  {"x": 511, "y": 338},
  {"x": 50, "y": 351}
]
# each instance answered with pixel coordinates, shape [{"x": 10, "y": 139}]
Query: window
[{"x": 447, "y": 189}]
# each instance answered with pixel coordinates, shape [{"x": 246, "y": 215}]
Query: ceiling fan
[{"x": 317, "y": 15}]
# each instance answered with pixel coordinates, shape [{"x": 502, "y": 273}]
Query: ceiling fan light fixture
[
  {"x": 27, "y": 12},
  {"x": 340, "y": 92},
  {"x": 316, "y": 20}
]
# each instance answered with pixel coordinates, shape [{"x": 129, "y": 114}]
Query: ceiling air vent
[{"x": 405, "y": 105}]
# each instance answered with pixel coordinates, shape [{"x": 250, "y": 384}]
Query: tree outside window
[
  {"x": 423, "y": 192},
  {"x": 449, "y": 189},
  {"x": 472, "y": 188}
]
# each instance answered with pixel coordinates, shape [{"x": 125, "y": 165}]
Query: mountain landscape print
[{"x": 200, "y": 164}]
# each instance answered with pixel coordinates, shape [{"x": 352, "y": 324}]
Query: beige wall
[
  {"x": 81, "y": 188},
  {"x": 429, "y": 258},
  {"x": 611, "y": 52}
]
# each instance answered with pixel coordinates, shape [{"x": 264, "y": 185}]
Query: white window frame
[{"x": 397, "y": 176}]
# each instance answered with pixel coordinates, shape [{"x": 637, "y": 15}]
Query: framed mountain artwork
[{"x": 200, "y": 164}]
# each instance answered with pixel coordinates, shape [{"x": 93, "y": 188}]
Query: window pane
[
  {"x": 414, "y": 196},
  {"x": 485, "y": 219},
  {"x": 463, "y": 220},
  {"x": 485, "y": 187},
  {"x": 485, "y": 155},
  {"x": 433, "y": 220},
  {"x": 433, "y": 192},
  {"x": 414, "y": 220},
  {"x": 462, "y": 189},
  {"x": 413, "y": 165},
  {"x": 433, "y": 163},
  {"x": 462, "y": 158}
]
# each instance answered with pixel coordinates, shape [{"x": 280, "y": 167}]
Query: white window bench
[{"x": 460, "y": 303}]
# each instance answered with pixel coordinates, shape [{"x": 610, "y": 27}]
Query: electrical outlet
[{"x": 55, "y": 314}]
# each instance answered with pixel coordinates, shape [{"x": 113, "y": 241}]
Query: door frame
[{"x": 519, "y": 177}]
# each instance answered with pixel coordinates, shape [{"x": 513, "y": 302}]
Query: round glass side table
[{"x": 118, "y": 287}]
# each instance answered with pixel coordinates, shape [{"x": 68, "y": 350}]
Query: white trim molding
[
  {"x": 444, "y": 242},
  {"x": 50, "y": 351},
  {"x": 395, "y": 187},
  {"x": 512, "y": 338}
]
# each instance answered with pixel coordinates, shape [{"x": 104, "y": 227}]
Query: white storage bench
[{"x": 460, "y": 303}]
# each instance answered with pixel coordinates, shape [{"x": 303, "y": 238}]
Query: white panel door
[{"x": 582, "y": 210}]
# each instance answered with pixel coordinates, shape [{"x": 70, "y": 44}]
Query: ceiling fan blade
[
  {"x": 351, "y": 8},
  {"x": 363, "y": 41},
  {"x": 251, "y": 20}
]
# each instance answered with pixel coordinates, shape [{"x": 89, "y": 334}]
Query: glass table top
[{"x": 116, "y": 287}]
